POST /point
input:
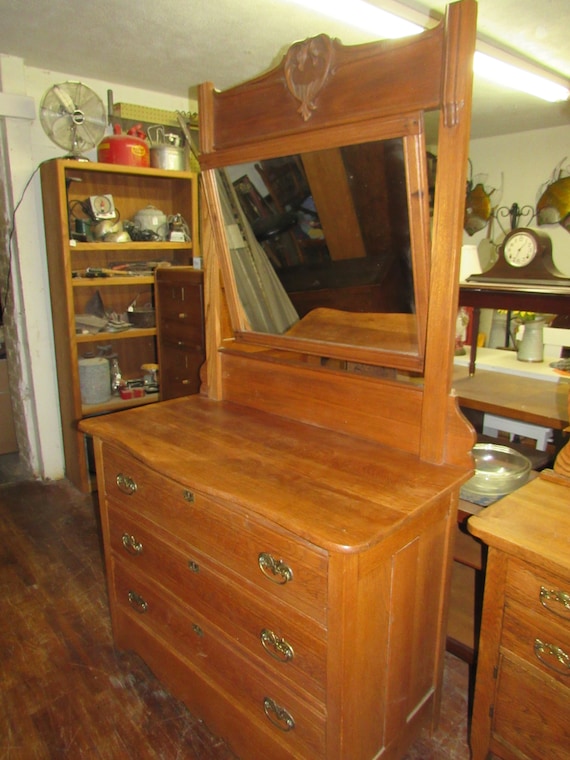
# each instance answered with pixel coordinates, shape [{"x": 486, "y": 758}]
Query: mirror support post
[{"x": 453, "y": 153}]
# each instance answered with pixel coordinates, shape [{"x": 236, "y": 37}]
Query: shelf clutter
[{"x": 102, "y": 282}]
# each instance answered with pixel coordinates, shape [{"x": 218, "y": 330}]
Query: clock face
[
  {"x": 520, "y": 249},
  {"x": 102, "y": 206}
]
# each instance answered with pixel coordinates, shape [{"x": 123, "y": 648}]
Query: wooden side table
[{"x": 522, "y": 690}]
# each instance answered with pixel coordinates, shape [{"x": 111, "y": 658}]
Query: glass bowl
[{"x": 499, "y": 470}]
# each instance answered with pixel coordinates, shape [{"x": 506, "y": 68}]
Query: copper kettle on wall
[
  {"x": 478, "y": 206},
  {"x": 553, "y": 206}
]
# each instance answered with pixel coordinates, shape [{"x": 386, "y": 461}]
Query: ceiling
[{"x": 171, "y": 46}]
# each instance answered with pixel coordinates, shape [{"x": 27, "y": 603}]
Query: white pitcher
[{"x": 531, "y": 347}]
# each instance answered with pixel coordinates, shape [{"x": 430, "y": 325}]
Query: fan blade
[
  {"x": 60, "y": 130},
  {"x": 64, "y": 98}
]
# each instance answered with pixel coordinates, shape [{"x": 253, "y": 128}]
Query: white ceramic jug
[{"x": 531, "y": 347}]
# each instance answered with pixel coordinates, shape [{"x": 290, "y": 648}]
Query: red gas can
[{"x": 131, "y": 149}]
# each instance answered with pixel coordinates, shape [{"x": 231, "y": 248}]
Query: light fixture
[
  {"x": 490, "y": 62},
  {"x": 507, "y": 70},
  {"x": 362, "y": 15}
]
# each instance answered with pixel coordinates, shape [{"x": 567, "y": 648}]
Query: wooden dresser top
[
  {"x": 336, "y": 491},
  {"x": 533, "y": 523}
]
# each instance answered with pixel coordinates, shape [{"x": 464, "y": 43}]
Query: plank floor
[{"x": 66, "y": 693}]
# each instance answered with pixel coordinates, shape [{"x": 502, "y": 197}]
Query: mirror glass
[{"x": 334, "y": 225}]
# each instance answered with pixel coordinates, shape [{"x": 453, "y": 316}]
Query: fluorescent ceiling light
[
  {"x": 362, "y": 15},
  {"x": 491, "y": 64},
  {"x": 515, "y": 78}
]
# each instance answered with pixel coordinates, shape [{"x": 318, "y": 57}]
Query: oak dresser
[
  {"x": 522, "y": 696},
  {"x": 288, "y": 583}
]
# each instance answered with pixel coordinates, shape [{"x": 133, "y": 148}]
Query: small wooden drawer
[
  {"x": 179, "y": 371},
  {"x": 298, "y": 721},
  {"x": 185, "y": 330},
  {"x": 538, "y": 590},
  {"x": 287, "y": 568},
  {"x": 292, "y": 645},
  {"x": 181, "y": 366},
  {"x": 180, "y": 290}
]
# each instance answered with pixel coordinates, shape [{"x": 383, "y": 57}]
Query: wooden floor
[{"x": 66, "y": 693}]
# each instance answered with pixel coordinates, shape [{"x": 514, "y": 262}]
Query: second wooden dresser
[{"x": 522, "y": 693}]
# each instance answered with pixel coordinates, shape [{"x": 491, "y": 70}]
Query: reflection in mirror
[{"x": 334, "y": 225}]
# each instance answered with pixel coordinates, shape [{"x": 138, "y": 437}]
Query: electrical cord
[{"x": 5, "y": 294}]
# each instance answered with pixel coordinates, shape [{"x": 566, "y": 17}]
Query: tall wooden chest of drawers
[
  {"x": 276, "y": 576},
  {"x": 522, "y": 692},
  {"x": 180, "y": 320}
]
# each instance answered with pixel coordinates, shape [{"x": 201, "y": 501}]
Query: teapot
[{"x": 152, "y": 219}]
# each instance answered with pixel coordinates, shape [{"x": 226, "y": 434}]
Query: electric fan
[{"x": 73, "y": 117}]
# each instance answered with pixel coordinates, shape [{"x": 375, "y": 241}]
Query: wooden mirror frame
[{"x": 369, "y": 92}]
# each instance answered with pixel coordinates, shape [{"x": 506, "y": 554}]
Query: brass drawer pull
[
  {"x": 182, "y": 315},
  {"x": 197, "y": 630},
  {"x": 280, "y": 718},
  {"x": 274, "y": 570},
  {"x": 188, "y": 496},
  {"x": 555, "y": 597},
  {"x": 553, "y": 657},
  {"x": 137, "y": 602},
  {"x": 131, "y": 544},
  {"x": 126, "y": 484},
  {"x": 275, "y": 646},
  {"x": 194, "y": 566}
]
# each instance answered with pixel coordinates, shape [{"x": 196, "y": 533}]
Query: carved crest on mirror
[{"x": 308, "y": 66}]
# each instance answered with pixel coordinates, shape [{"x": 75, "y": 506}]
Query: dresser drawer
[
  {"x": 544, "y": 593},
  {"x": 297, "y": 721},
  {"x": 280, "y": 638},
  {"x": 289, "y": 569},
  {"x": 539, "y": 640},
  {"x": 530, "y": 714}
]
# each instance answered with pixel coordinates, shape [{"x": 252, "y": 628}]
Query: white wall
[
  {"x": 519, "y": 166},
  {"x": 32, "y": 352}
]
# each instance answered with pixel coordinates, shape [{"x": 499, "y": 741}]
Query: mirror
[
  {"x": 342, "y": 130},
  {"x": 334, "y": 225}
]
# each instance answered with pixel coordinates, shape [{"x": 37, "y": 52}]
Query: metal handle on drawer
[
  {"x": 126, "y": 484},
  {"x": 560, "y": 662},
  {"x": 277, "y": 647},
  {"x": 278, "y": 715},
  {"x": 274, "y": 570},
  {"x": 131, "y": 544},
  {"x": 182, "y": 315},
  {"x": 555, "y": 596},
  {"x": 137, "y": 602}
]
